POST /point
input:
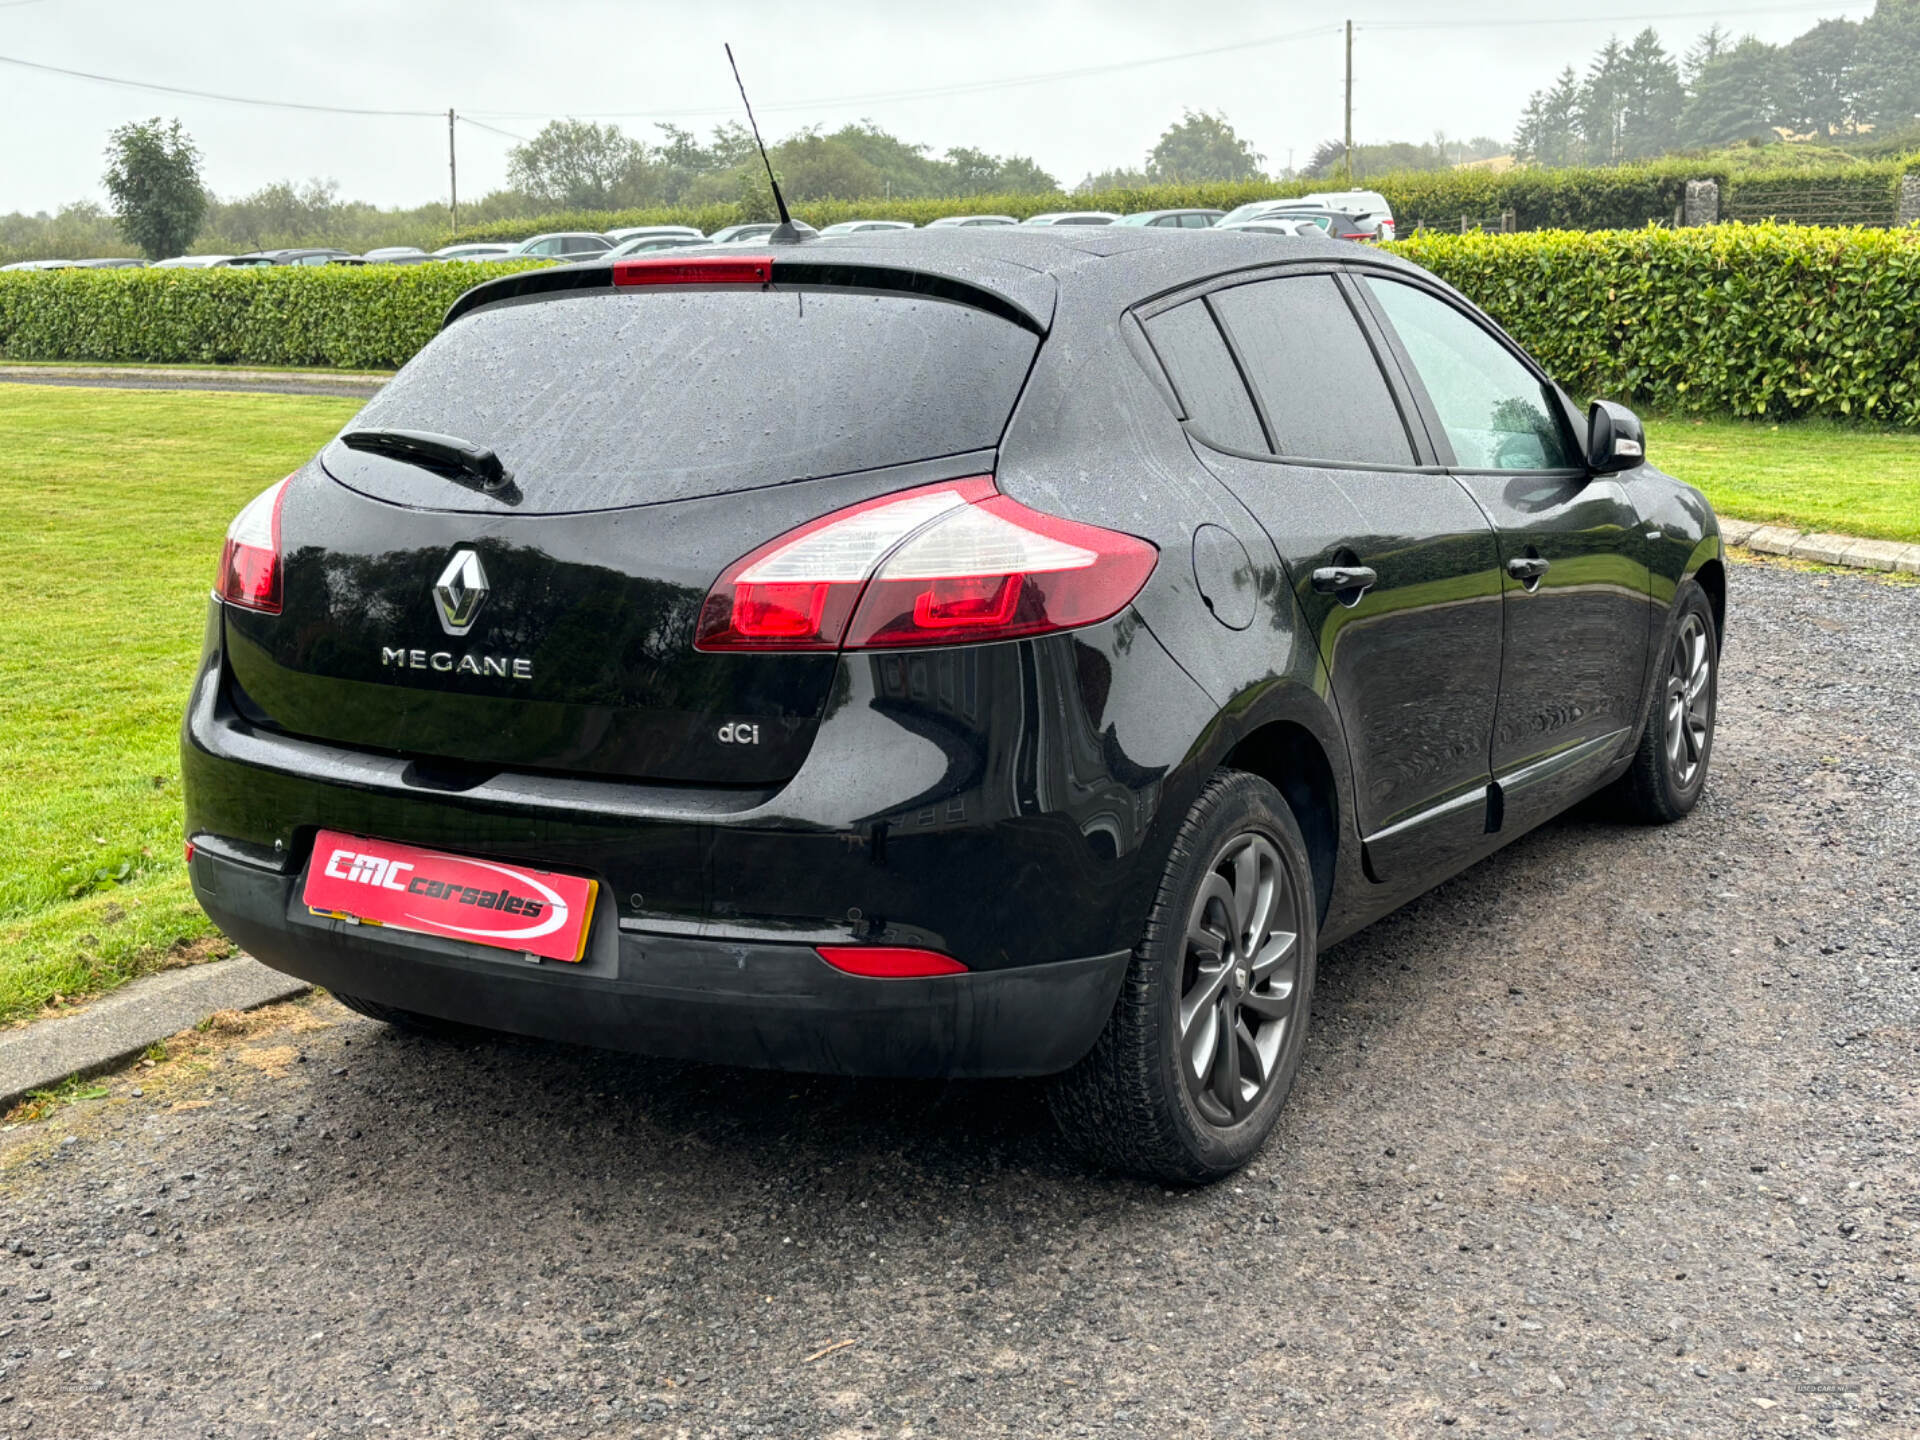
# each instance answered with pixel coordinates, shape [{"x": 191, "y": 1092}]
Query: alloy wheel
[
  {"x": 1689, "y": 709},
  {"x": 1240, "y": 978}
]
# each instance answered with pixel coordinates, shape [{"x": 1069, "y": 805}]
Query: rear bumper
[{"x": 730, "y": 1000}]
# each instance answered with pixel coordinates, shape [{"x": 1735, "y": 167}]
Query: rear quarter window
[{"x": 1205, "y": 378}]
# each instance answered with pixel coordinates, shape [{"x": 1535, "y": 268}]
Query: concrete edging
[
  {"x": 119, "y": 1026},
  {"x": 1821, "y": 547}
]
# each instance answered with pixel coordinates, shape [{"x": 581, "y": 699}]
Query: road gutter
[
  {"x": 119, "y": 1026},
  {"x": 1822, "y": 547}
]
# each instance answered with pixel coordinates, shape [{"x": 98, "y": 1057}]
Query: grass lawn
[
  {"x": 1810, "y": 474},
  {"x": 116, "y": 501}
]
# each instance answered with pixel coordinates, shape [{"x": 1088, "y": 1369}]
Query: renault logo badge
[{"x": 460, "y": 592}]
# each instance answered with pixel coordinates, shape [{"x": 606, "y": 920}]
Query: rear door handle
[
  {"x": 1528, "y": 568},
  {"x": 1334, "y": 579}
]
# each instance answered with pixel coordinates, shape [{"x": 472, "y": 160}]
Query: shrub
[
  {"x": 1760, "y": 320},
  {"x": 356, "y": 317}
]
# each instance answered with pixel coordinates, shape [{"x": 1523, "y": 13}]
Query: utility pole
[
  {"x": 1349, "y": 102},
  {"x": 453, "y": 181}
]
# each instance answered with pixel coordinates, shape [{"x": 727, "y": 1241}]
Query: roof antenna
[{"x": 788, "y": 232}]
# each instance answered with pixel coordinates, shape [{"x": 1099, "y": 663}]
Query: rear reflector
[
  {"x": 882, "y": 962},
  {"x": 250, "y": 559},
  {"x": 946, "y": 564},
  {"x": 720, "y": 270}
]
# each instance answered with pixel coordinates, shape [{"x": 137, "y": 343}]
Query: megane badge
[{"x": 460, "y": 592}]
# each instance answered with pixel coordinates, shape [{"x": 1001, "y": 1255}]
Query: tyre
[
  {"x": 1669, "y": 770},
  {"x": 411, "y": 1020},
  {"x": 1186, "y": 1080}
]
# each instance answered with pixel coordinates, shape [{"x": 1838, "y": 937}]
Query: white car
[
  {"x": 855, "y": 227},
  {"x": 1372, "y": 215},
  {"x": 191, "y": 262},
  {"x": 948, "y": 221},
  {"x": 1072, "y": 217}
]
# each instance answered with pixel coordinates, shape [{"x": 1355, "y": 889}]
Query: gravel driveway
[{"x": 1613, "y": 1135}]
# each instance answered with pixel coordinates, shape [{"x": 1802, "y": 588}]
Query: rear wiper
[{"x": 474, "y": 466}]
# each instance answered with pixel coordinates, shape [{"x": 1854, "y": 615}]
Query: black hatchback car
[{"x": 943, "y": 652}]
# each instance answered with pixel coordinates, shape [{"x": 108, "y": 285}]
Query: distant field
[{"x": 117, "y": 500}]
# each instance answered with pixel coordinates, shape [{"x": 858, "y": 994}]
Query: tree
[
  {"x": 1651, "y": 99},
  {"x": 1602, "y": 105},
  {"x": 812, "y": 166},
  {"x": 1712, "y": 44},
  {"x": 153, "y": 179},
  {"x": 578, "y": 165},
  {"x": 1736, "y": 95},
  {"x": 1202, "y": 146},
  {"x": 1020, "y": 175},
  {"x": 1890, "y": 64},
  {"x": 1329, "y": 158},
  {"x": 1116, "y": 179},
  {"x": 1823, "y": 77},
  {"x": 1549, "y": 131}
]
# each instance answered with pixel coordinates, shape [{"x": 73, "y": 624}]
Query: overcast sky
[{"x": 1465, "y": 66}]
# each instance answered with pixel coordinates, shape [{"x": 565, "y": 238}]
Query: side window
[
  {"x": 1495, "y": 413},
  {"x": 1193, "y": 222},
  {"x": 1309, "y": 362},
  {"x": 1205, "y": 377}
]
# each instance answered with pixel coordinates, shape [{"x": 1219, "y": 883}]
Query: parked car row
[{"x": 1345, "y": 215}]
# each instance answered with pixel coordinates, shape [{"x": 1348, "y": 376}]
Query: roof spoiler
[{"x": 1027, "y": 301}]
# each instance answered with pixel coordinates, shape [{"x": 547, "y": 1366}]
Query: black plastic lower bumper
[{"x": 731, "y": 1001}]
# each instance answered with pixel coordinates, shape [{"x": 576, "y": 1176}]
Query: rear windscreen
[{"x": 603, "y": 400}]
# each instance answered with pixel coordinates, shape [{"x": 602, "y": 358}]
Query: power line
[
  {"x": 210, "y": 94},
  {"x": 465, "y": 119},
  {"x": 973, "y": 87},
  {"x": 968, "y": 87}
]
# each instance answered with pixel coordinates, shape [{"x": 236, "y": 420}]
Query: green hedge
[
  {"x": 1760, "y": 320},
  {"x": 1624, "y": 197},
  {"x": 353, "y": 317},
  {"x": 1734, "y": 319}
]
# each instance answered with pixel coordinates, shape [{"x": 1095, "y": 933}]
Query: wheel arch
[
  {"x": 1711, "y": 577},
  {"x": 1289, "y": 757}
]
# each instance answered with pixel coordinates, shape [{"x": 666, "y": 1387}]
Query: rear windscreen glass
[{"x": 603, "y": 399}]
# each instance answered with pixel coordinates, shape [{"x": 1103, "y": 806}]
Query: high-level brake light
[
  {"x": 250, "y": 558},
  {"x": 945, "y": 564},
  {"x": 714, "y": 270}
]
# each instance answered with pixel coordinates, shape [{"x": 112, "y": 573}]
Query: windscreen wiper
[{"x": 474, "y": 466}]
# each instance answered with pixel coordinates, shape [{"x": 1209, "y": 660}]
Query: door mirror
[{"x": 1615, "y": 439}]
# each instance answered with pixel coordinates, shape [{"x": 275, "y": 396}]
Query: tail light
[
  {"x": 946, "y": 564},
  {"x": 886, "y": 962},
  {"x": 250, "y": 559}
]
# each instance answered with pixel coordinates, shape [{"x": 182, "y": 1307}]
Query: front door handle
[
  {"x": 1344, "y": 579},
  {"x": 1528, "y": 569}
]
